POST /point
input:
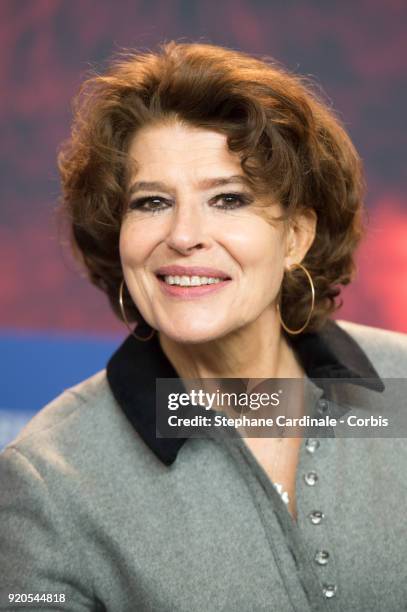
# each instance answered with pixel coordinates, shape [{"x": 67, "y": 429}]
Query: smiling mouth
[
  {"x": 190, "y": 287},
  {"x": 190, "y": 281}
]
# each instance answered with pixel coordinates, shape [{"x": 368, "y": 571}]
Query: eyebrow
[{"x": 208, "y": 183}]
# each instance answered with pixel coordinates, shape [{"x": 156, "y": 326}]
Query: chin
[{"x": 193, "y": 334}]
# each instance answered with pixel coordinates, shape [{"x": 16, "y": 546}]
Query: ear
[{"x": 300, "y": 236}]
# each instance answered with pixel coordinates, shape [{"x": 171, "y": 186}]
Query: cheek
[
  {"x": 134, "y": 245},
  {"x": 257, "y": 245}
]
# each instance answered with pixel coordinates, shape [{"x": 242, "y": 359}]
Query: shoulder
[
  {"x": 77, "y": 403},
  {"x": 78, "y": 426},
  {"x": 387, "y": 350},
  {"x": 47, "y": 479}
]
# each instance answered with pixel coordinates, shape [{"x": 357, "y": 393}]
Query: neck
[{"x": 258, "y": 350}]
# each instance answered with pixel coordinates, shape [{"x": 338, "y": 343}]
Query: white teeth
[{"x": 194, "y": 281}]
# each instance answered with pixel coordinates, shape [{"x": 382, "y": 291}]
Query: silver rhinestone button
[
  {"x": 312, "y": 445},
  {"x": 316, "y": 517},
  {"x": 329, "y": 590},
  {"x": 321, "y": 557},
  {"x": 323, "y": 405},
  {"x": 311, "y": 478}
]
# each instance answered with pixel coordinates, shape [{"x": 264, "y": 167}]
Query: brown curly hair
[{"x": 290, "y": 143}]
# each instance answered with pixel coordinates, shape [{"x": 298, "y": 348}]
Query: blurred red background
[{"x": 357, "y": 52}]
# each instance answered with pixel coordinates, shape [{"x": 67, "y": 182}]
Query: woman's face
[{"x": 198, "y": 259}]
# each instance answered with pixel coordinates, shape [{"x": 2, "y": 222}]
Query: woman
[{"x": 218, "y": 204}]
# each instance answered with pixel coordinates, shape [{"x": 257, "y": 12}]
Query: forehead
[{"x": 174, "y": 148}]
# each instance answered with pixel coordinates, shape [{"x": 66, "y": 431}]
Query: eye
[
  {"x": 149, "y": 204},
  {"x": 155, "y": 204},
  {"x": 231, "y": 201}
]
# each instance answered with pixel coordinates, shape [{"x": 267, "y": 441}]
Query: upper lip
[{"x": 191, "y": 271}]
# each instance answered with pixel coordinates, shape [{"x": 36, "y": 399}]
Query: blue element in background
[{"x": 35, "y": 368}]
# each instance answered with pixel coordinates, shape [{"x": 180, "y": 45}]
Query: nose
[{"x": 187, "y": 230}]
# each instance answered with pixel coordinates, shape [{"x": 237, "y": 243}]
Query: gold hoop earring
[
  {"x": 298, "y": 331},
  {"x": 141, "y": 338}
]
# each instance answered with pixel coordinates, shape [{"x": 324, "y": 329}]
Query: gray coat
[{"x": 93, "y": 506}]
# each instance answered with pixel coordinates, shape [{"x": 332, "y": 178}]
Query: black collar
[{"x": 134, "y": 367}]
